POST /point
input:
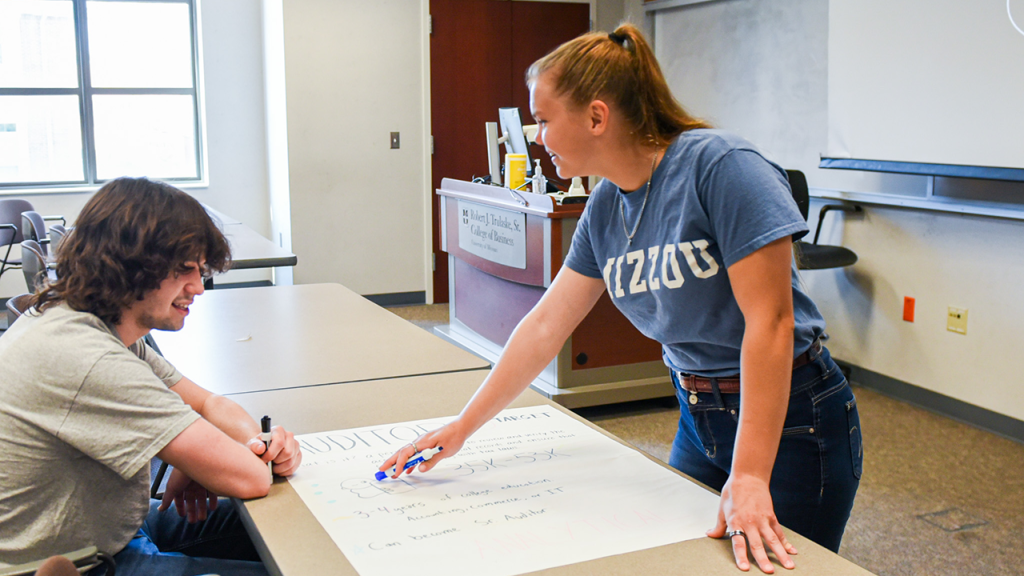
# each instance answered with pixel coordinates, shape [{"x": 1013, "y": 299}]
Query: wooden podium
[{"x": 504, "y": 248}]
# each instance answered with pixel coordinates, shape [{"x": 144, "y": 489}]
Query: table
[
  {"x": 251, "y": 250},
  {"x": 293, "y": 543},
  {"x": 277, "y": 337},
  {"x": 221, "y": 217}
]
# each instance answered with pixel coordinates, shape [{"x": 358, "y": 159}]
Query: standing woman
[{"x": 690, "y": 232}]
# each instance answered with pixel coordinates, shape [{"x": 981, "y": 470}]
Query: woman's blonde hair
[{"x": 619, "y": 68}]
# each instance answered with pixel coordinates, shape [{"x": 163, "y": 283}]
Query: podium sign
[{"x": 493, "y": 234}]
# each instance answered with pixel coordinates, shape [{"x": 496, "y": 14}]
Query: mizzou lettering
[{"x": 662, "y": 266}]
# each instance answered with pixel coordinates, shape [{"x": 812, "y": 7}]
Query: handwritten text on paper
[{"x": 532, "y": 489}]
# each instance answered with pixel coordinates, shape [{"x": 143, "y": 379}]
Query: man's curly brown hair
[{"x": 129, "y": 237}]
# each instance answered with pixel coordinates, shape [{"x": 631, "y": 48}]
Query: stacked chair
[
  {"x": 10, "y": 231},
  {"x": 34, "y": 264},
  {"x": 19, "y": 222}
]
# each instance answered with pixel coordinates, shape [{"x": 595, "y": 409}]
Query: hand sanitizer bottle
[
  {"x": 540, "y": 183},
  {"x": 576, "y": 189}
]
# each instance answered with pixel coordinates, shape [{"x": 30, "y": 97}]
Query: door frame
[{"x": 428, "y": 223}]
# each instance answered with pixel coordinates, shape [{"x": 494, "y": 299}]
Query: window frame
[{"x": 85, "y": 91}]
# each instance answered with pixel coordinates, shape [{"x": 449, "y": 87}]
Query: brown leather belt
[{"x": 731, "y": 384}]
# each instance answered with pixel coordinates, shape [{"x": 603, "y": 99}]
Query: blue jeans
[
  {"x": 168, "y": 545},
  {"x": 818, "y": 466}
]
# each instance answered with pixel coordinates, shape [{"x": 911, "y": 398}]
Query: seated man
[{"x": 86, "y": 404}]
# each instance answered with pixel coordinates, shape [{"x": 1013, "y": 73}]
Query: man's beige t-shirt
[{"x": 81, "y": 415}]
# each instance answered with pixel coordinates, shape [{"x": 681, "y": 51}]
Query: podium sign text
[{"x": 493, "y": 234}]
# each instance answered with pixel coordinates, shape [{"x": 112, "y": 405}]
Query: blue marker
[{"x": 416, "y": 459}]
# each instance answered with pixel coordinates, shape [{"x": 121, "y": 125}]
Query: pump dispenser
[
  {"x": 576, "y": 189},
  {"x": 540, "y": 183}
]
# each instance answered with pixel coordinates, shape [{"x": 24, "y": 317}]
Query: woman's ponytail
[{"x": 619, "y": 67}]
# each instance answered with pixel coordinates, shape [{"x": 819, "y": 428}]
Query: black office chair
[{"x": 814, "y": 256}]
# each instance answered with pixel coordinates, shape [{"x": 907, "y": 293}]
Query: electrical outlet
[{"x": 956, "y": 321}]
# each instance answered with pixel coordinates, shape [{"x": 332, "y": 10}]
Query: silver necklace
[{"x": 622, "y": 213}]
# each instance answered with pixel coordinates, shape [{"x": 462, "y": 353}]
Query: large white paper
[{"x": 532, "y": 489}]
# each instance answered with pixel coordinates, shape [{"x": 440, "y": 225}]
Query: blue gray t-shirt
[{"x": 714, "y": 200}]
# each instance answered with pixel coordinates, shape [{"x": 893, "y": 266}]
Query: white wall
[
  {"x": 353, "y": 72},
  {"x": 276, "y": 115},
  {"x": 236, "y": 137},
  {"x": 357, "y": 71},
  {"x": 235, "y": 122},
  {"x": 609, "y": 14},
  {"x": 633, "y": 10},
  {"x": 760, "y": 69},
  {"x": 941, "y": 260}
]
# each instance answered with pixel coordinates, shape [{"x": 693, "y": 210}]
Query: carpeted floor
[{"x": 937, "y": 497}]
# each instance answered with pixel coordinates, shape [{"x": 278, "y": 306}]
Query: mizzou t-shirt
[{"x": 714, "y": 200}]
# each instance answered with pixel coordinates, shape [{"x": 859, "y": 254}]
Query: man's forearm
[{"x": 231, "y": 418}]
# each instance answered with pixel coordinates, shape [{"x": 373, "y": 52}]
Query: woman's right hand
[
  {"x": 451, "y": 437},
  {"x": 535, "y": 341}
]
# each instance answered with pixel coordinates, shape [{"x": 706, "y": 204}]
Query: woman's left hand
[
  {"x": 762, "y": 285},
  {"x": 746, "y": 506}
]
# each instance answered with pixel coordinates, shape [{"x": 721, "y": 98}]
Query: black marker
[{"x": 265, "y": 436}]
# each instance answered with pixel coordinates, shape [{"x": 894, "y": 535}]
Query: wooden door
[
  {"x": 479, "y": 53},
  {"x": 539, "y": 28}
]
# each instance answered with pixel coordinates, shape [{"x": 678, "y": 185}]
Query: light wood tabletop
[
  {"x": 293, "y": 543},
  {"x": 253, "y": 339}
]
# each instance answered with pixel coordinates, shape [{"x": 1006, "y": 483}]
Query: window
[{"x": 95, "y": 89}]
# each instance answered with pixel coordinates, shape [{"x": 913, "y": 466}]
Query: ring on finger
[
  {"x": 414, "y": 448},
  {"x": 734, "y": 533}
]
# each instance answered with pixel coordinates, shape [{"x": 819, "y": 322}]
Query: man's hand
[
  {"x": 746, "y": 506},
  {"x": 190, "y": 498},
  {"x": 284, "y": 451}
]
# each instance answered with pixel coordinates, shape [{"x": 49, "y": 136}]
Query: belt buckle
[{"x": 692, "y": 399}]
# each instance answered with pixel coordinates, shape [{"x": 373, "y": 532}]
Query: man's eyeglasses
[{"x": 188, "y": 267}]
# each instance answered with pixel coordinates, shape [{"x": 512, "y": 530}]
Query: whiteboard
[
  {"x": 534, "y": 488},
  {"x": 926, "y": 81}
]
